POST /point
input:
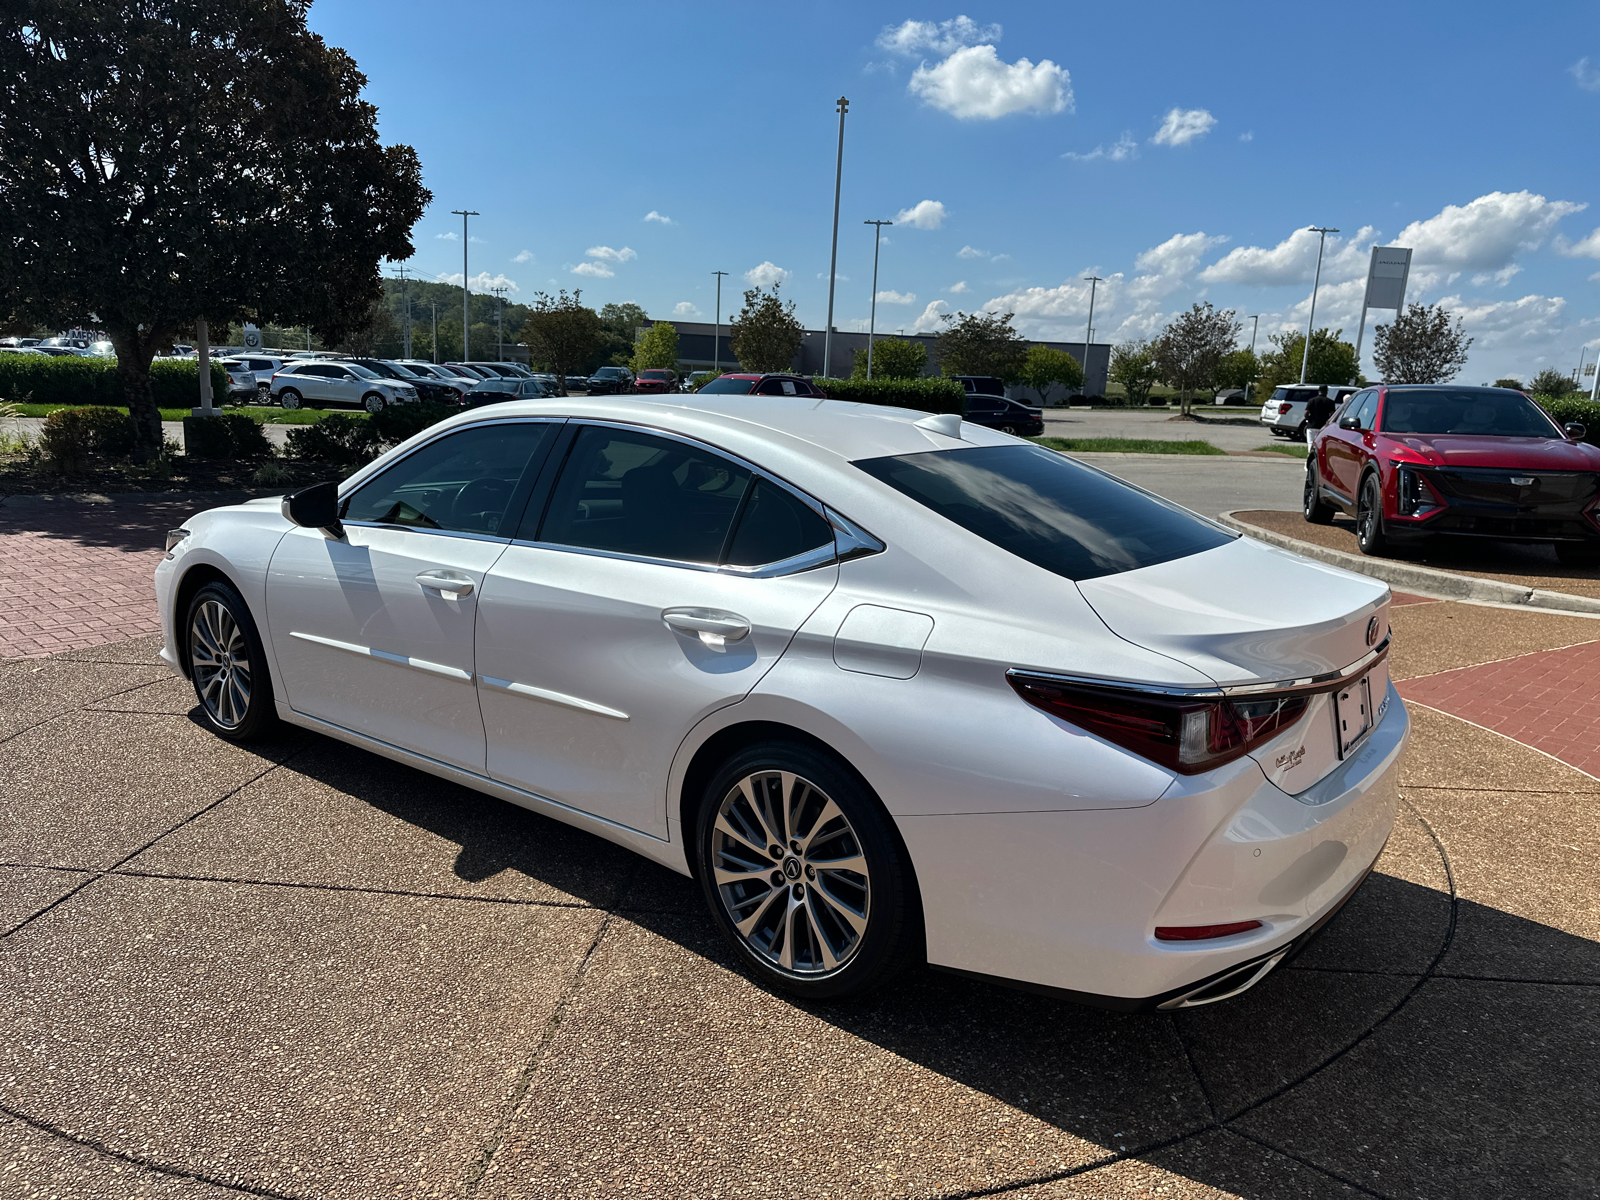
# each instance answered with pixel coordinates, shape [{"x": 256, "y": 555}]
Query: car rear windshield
[
  {"x": 1456, "y": 410},
  {"x": 1043, "y": 507},
  {"x": 732, "y": 387}
]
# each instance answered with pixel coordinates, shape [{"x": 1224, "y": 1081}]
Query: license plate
[{"x": 1352, "y": 713}]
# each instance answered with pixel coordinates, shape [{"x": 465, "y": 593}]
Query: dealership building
[{"x": 702, "y": 345}]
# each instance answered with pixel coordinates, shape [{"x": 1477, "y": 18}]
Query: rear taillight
[
  {"x": 1182, "y": 733},
  {"x": 1283, "y": 409},
  {"x": 1200, "y": 933}
]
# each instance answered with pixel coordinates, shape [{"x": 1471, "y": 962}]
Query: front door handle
[
  {"x": 712, "y": 626},
  {"x": 447, "y": 583}
]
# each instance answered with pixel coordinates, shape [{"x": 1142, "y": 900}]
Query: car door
[
  {"x": 373, "y": 631},
  {"x": 1341, "y": 449},
  {"x": 658, "y": 583}
]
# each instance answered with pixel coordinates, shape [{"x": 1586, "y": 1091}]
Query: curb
[{"x": 1412, "y": 578}]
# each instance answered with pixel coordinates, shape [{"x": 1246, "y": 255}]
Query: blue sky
[{"x": 631, "y": 149}]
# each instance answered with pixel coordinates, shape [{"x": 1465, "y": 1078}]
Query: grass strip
[
  {"x": 1292, "y": 449},
  {"x": 1126, "y": 446}
]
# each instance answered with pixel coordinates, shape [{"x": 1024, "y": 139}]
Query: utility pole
[
  {"x": 435, "y": 305},
  {"x": 1088, "y": 330},
  {"x": 872, "y": 322},
  {"x": 1305, "y": 354},
  {"x": 499, "y": 322},
  {"x": 833, "y": 261},
  {"x": 465, "y": 291},
  {"x": 1249, "y": 385},
  {"x": 716, "y": 338},
  {"x": 406, "y": 282}
]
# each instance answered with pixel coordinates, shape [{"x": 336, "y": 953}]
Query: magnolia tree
[
  {"x": 164, "y": 162},
  {"x": 766, "y": 335},
  {"x": 561, "y": 332}
]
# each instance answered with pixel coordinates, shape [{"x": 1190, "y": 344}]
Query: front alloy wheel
[
  {"x": 804, "y": 874},
  {"x": 227, "y": 665},
  {"x": 1369, "y": 518},
  {"x": 372, "y": 402}
]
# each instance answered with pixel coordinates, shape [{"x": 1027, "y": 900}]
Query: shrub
[
  {"x": 1574, "y": 408},
  {"x": 226, "y": 435},
  {"x": 175, "y": 383},
  {"x": 345, "y": 441},
  {"x": 71, "y": 435},
  {"x": 925, "y": 395}
]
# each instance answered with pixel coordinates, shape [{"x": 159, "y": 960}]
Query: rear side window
[
  {"x": 731, "y": 387},
  {"x": 774, "y": 526},
  {"x": 1047, "y": 509}
]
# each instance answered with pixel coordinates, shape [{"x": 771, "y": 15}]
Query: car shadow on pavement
[
  {"x": 122, "y": 523},
  {"x": 1423, "y": 1044}
]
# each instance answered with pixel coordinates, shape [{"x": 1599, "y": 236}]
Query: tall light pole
[
  {"x": 434, "y": 304},
  {"x": 833, "y": 262},
  {"x": 499, "y": 322},
  {"x": 1255, "y": 324},
  {"x": 872, "y": 321},
  {"x": 1088, "y": 330},
  {"x": 716, "y": 337},
  {"x": 1305, "y": 354},
  {"x": 464, "y": 214}
]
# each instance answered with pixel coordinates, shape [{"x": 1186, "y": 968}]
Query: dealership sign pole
[{"x": 1386, "y": 286}]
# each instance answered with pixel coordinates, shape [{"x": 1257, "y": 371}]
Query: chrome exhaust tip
[{"x": 1225, "y": 986}]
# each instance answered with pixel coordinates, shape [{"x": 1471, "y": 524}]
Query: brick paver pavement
[
  {"x": 77, "y": 573},
  {"x": 1547, "y": 700}
]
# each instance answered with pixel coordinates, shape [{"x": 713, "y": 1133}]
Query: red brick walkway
[
  {"x": 75, "y": 574},
  {"x": 1549, "y": 700}
]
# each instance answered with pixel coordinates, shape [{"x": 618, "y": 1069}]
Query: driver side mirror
[
  {"x": 1350, "y": 421},
  {"x": 1575, "y": 430},
  {"x": 315, "y": 507}
]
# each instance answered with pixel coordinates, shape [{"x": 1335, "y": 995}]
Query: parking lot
[{"x": 304, "y": 971}]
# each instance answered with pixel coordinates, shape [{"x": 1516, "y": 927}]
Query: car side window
[
  {"x": 633, "y": 493},
  {"x": 1365, "y": 411},
  {"x": 773, "y": 387},
  {"x": 460, "y": 483},
  {"x": 774, "y": 526}
]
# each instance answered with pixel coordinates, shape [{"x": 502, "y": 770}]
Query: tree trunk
[{"x": 133, "y": 368}]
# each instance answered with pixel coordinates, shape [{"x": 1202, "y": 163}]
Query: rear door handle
[
  {"x": 712, "y": 626},
  {"x": 447, "y": 583}
]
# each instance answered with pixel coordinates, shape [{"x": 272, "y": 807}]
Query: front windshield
[
  {"x": 731, "y": 387},
  {"x": 1484, "y": 413}
]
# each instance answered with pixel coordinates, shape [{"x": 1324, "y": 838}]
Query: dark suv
[
  {"x": 739, "y": 383},
  {"x": 608, "y": 380},
  {"x": 428, "y": 388}
]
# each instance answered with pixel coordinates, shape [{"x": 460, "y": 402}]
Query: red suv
[
  {"x": 656, "y": 379},
  {"x": 1409, "y": 462}
]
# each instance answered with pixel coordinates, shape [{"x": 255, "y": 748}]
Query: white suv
[
  {"x": 1284, "y": 413},
  {"x": 324, "y": 382}
]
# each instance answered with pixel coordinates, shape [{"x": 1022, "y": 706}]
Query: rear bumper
[{"x": 1068, "y": 902}]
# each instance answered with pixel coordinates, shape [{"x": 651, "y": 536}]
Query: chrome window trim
[
  {"x": 453, "y": 533},
  {"x": 1278, "y": 687},
  {"x": 359, "y": 480}
]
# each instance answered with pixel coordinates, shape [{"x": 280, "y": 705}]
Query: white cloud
[
  {"x": 594, "y": 270},
  {"x": 449, "y": 235},
  {"x": 1485, "y": 234},
  {"x": 685, "y": 308},
  {"x": 1178, "y": 255},
  {"x": 653, "y": 215},
  {"x": 929, "y": 321},
  {"x": 1182, "y": 126},
  {"x": 766, "y": 274},
  {"x": 1499, "y": 278},
  {"x": 926, "y": 214},
  {"x": 838, "y": 275},
  {"x": 911, "y": 38},
  {"x": 607, "y": 254},
  {"x": 1122, "y": 150},
  {"x": 1588, "y": 247},
  {"x": 524, "y": 257},
  {"x": 888, "y": 297},
  {"x": 957, "y": 289},
  {"x": 1528, "y": 321},
  {"x": 481, "y": 282},
  {"x": 1249, "y": 135},
  {"x": 1294, "y": 260},
  {"x": 971, "y": 252},
  {"x": 974, "y": 83},
  {"x": 1586, "y": 76}
]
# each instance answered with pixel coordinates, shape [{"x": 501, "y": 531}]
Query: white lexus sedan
[{"x": 889, "y": 686}]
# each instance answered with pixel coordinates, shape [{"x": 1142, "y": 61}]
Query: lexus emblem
[{"x": 1372, "y": 632}]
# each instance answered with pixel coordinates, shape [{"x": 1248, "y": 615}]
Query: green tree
[
  {"x": 765, "y": 335},
  {"x": 618, "y": 324},
  {"x": 561, "y": 333},
  {"x": 1133, "y": 365},
  {"x": 1422, "y": 345},
  {"x": 1513, "y": 384},
  {"x": 1551, "y": 382},
  {"x": 892, "y": 358},
  {"x": 1190, "y": 350},
  {"x": 1237, "y": 370},
  {"x": 167, "y": 161},
  {"x": 658, "y": 348},
  {"x": 380, "y": 337},
  {"x": 1333, "y": 360},
  {"x": 1044, "y": 368},
  {"x": 980, "y": 344}
]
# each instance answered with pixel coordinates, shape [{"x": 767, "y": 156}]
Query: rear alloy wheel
[
  {"x": 227, "y": 665},
  {"x": 1369, "y": 519},
  {"x": 1011, "y": 429},
  {"x": 1313, "y": 507},
  {"x": 289, "y": 398},
  {"x": 372, "y": 402},
  {"x": 804, "y": 874}
]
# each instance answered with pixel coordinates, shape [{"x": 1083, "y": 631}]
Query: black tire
[
  {"x": 227, "y": 665},
  {"x": 1313, "y": 507},
  {"x": 1370, "y": 537},
  {"x": 1578, "y": 554},
  {"x": 1011, "y": 429},
  {"x": 289, "y": 398},
  {"x": 373, "y": 402},
  {"x": 867, "y": 927}
]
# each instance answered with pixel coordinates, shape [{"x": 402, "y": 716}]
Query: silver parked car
[{"x": 322, "y": 383}]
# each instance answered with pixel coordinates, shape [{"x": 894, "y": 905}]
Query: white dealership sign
[
  {"x": 252, "y": 337},
  {"x": 1386, "y": 285}
]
